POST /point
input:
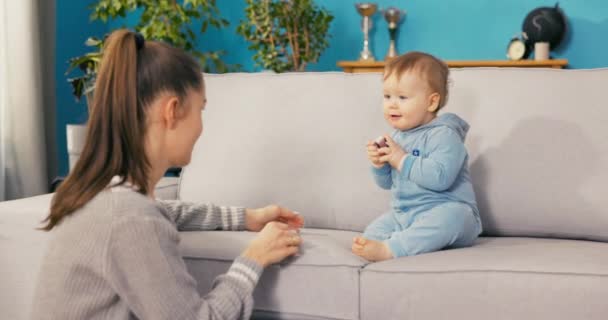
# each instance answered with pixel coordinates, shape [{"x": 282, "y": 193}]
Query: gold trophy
[
  {"x": 366, "y": 10},
  {"x": 393, "y": 16}
]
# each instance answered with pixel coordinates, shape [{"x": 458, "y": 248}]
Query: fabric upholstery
[
  {"x": 537, "y": 144},
  {"x": 499, "y": 278},
  {"x": 321, "y": 282}
]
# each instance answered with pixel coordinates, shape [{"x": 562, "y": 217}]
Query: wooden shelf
[{"x": 378, "y": 66}]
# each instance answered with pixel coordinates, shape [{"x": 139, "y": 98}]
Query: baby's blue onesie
[{"x": 433, "y": 204}]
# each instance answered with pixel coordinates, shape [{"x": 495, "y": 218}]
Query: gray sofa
[{"x": 538, "y": 149}]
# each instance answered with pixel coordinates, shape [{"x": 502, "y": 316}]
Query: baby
[{"x": 423, "y": 163}]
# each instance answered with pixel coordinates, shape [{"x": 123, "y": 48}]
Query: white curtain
[
  {"x": 3, "y": 99},
  {"x": 23, "y": 159}
]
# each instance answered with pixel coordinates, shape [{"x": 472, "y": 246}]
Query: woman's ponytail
[{"x": 115, "y": 135}]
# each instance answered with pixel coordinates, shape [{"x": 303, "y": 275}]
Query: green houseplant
[
  {"x": 165, "y": 20},
  {"x": 286, "y": 35},
  {"x": 87, "y": 64},
  {"x": 170, "y": 21}
]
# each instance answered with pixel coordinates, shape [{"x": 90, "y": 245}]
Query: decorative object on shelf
[
  {"x": 366, "y": 10},
  {"x": 393, "y": 16},
  {"x": 541, "y": 51},
  {"x": 545, "y": 24},
  {"x": 541, "y": 25},
  {"x": 518, "y": 48},
  {"x": 544, "y": 28},
  {"x": 168, "y": 21},
  {"x": 285, "y": 35}
]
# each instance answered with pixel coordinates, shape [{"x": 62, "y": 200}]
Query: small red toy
[{"x": 380, "y": 142}]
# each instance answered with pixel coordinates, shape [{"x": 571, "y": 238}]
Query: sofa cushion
[
  {"x": 538, "y": 144},
  {"x": 321, "y": 282},
  {"x": 22, "y": 248},
  {"x": 166, "y": 188},
  {"x": 295, "y": 139},
  {"x": 499, "y": 278}
]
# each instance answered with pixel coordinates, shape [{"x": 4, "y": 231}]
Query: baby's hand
[
  {"x": 393, "y": 154},
  {"x": 373, "y": 153}
]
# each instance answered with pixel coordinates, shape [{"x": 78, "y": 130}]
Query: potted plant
[
  {"x": 170, "y": 21},
  {"x": 286, "y": 34},
  {"x": 87, "y": 64}
]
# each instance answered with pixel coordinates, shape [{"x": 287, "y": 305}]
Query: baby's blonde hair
[{"x": 431, "y": 69}]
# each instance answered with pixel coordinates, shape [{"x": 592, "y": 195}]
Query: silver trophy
[
  {"x": 366, "y": 10},
  {"x": 393, "y": 16}
]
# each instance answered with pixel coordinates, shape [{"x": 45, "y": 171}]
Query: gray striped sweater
[{"x": 118, "y": 258}]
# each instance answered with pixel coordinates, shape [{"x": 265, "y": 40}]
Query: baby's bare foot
[{"x": 371, "y": 250}]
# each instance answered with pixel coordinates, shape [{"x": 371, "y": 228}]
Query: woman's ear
[
  {"x": 434, "y": 100},
  {"x": 169, "y": 112}
]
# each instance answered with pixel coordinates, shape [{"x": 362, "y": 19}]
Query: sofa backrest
[{"x": 538, "y": 147}]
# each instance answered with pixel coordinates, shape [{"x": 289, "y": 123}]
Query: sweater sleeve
[
  {"x": 443, "y": 162},
  {"x": 382, "y": 176},
  {"x": 143, "y": 265},
  {"x": 189, "y": 216}
]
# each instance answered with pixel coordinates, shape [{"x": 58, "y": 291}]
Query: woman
[{"x": 114, "y": 251}]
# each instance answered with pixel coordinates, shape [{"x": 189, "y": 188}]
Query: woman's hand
[
  {"x": 393, "y": 154},
  {"x": 256, "y": 219},
  {"x": 274, "y": 243}
]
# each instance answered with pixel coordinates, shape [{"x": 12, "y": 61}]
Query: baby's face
[{"x": 407, "y": 101}]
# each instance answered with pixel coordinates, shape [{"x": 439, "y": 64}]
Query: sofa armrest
[{"x": 166, "y": 188}]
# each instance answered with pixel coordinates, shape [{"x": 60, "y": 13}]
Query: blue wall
[
  {"x": 72, "y": 30},
  {"x": 460, "y": 30}
]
